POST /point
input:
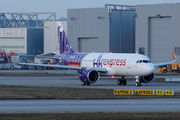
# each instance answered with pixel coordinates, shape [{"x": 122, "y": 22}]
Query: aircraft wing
[
  {"x": 64, "y": 67},
  {"x": 167, "y": 63}
]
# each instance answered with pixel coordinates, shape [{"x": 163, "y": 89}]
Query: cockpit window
[{"x": 143, "y": 61}]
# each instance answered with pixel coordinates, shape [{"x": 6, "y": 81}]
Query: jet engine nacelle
[
  {"x": 147, "y": 79},
  {"x": 89, "y": 76}
]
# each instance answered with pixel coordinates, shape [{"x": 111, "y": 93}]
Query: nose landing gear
[{"x": 138, "y": 82}]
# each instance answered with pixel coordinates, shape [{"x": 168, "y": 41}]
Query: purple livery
[
  {"x": 64, "y": 47},
  {"x": 68, "y": 57}
]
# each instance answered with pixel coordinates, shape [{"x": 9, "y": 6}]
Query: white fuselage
[{"x": 119, "y": 64}]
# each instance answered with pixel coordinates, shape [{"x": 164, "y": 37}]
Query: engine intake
[
  {"x": 147, "y": 79},
  {"x": 89, "y": 76}
]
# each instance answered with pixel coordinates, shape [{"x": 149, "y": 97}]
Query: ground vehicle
[
  {"x": 170, "y": 68},
  {"x": 15, "y": 66}
]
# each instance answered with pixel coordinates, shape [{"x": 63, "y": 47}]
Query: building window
[
  {"x": 142, "y": 50},
  {"x": 177, "y": 51}
]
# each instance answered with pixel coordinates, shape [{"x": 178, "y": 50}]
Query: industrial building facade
[
  {"x": 23, "y": 32},
  {"x": 88, "y": 29},
  {"x": 102, "y": 29},
  {"x": 22, "y": 40},
  {"x": 157, "y": 31},
  {"x": 122, "y": 30}
]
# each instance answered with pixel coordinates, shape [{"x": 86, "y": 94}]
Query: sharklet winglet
[{"x": 173, "y": 54}]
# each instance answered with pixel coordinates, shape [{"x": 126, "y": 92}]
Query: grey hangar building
[{"x": 150, "y": 29}]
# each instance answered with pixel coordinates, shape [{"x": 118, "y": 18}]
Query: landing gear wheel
[
  {"x": 83, "y": 83},
  {"x": 138, "y": 84},
  {"x": 119, "y": 82},
  {"x": 164, "y": 71},
  {"x": 124, "y": 82}
]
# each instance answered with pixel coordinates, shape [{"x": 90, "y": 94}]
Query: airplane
[{"x": 91, "y": 65}]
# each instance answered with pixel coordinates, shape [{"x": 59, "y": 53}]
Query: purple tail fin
[{"x": 64, "y": 46}]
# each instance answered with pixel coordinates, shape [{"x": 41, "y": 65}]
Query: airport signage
[
  {"x": 169, "y": 92},
  {"x": 159, "y": 92},
  {"x": 123, "y": 92},
  {"x": 144, "y": 92}
]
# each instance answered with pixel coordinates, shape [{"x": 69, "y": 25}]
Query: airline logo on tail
[{"x": 64, "y": 47}]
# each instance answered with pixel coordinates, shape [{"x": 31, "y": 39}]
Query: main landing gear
[
  {"x": 83, "y": 84},
  {"x": 138, "y": 83},
  {"x": 122, "y": 81}
]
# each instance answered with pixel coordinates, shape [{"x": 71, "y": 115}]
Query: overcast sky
[{"x": 60, "y": 6}]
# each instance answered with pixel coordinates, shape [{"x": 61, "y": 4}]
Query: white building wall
[
  {"x": 13, "y": 39},
  {"x": 50, "y": 35}
]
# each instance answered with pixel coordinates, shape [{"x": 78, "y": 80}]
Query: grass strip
[
  {"x": 92, "y": 116},
  {"x": 24, "y": 92}
]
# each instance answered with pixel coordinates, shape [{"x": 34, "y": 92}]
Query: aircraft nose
[{"x": 149, "y": 68}]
